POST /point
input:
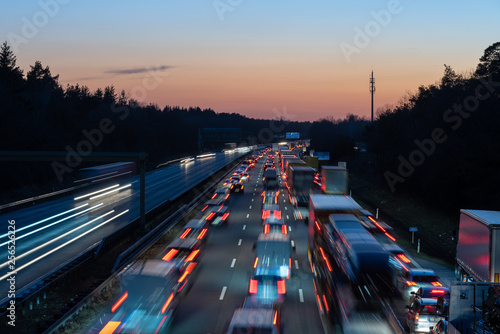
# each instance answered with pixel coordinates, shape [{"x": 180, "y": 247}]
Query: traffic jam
[{"x": 357, "y": 278}]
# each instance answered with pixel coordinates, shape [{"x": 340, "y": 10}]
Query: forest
[{"x": 440, "y": 142}]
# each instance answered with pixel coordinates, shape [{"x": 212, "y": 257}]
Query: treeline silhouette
[
  {"x": 442, "y": 143},
  {"x": 38, "y": 114}
]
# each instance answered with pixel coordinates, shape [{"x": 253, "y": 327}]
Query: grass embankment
[{"x": 436, "y": 228}]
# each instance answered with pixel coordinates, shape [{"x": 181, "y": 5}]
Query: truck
[
  {"x": 275, "y": 146},
  {"x": 270, "y": 179},
  {"x": 312, "y": 161},
  {"x": 299, "y": 181},
  {"x": 334, "y": 180},
  {"x": 478, "y": 248}
]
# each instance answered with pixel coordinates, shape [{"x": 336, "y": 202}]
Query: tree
[
  {"x": 8, "y": 68},
  {"x": 489, "y": 63},
  {"x": 450, "y": 77}
]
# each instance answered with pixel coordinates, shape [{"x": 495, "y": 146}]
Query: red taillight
[
  {"x": 192, "y": 255},
  {"x": 220, "y": 208},
  {"x": 317, "y": 225},
  {"x": 275, "y": 319},
  {"x": 284, "y": 229},
  {"x": 417, "y": 316},
  {"x": 299, "y": 215},
  {"x": 227, "y": 196},
  {"x": 266, "y": 229},
  {"x": 210, "y": 216},
  {"x": 266, "y": 214},
  {"x": 224, "y": 216},
  {"x": 206, "y": 206},
  {"x": 119, "y": 301},
  {"x": 202, "y": 233},
  {"x": 437, "y": 291},
  {"x": 326, "y": 304},
  {"x": 436, "y": 284},
  {"x": 253, "y": 286},
  {"x": 277, "y": 214},
  {"x": 169, "y": 300},
  {"x": 281, "y": 287},
  {"x": 404, "y": 258},
  {"x": 188, "y": 270},
  {"x": 255, "y": 263},
  {"x": 215, "y": 195},
  {"x": 171, "y": 253},
  {"x": 410, "y": 283},
  {"x": 390, "y": 236},
  {"x": 186, "y": 232}
]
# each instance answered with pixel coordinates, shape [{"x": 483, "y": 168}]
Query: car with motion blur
[
  {"x": 267, "y": 288},
  {"x": 222, "y": 192},
  {"x": 275, "y": 225},
  {"x": 237, "y": 188},
  {"x": 429, "y": 292},
  {"x": 217, "y": 215},
  {"x": 421, "y": 315},
  {"x": 149, "y": 292},
  {"x": 255, "y": 317},
  {"x": 273, "y": 255},
  {"x": 227, "y": 183},
  {"x": 236, "y": 179},
  {"x": 410, "y": 280},
  {"x": 245, "y": 177},
  {"x": 195, "y": 228},
  {"x": 185, "y": 255}
]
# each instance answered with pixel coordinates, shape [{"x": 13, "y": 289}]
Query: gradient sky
[{"x": 259, "y": 58}]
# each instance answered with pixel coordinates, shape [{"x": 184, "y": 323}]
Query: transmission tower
[{"x": 372, "y": 89}]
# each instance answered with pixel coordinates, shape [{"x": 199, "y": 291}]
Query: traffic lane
[
  {"x": 221, "y": 284},
  {"x": 300, "y": 310}
]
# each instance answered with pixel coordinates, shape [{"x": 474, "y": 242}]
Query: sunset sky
[{"x": 254, "y": 57}]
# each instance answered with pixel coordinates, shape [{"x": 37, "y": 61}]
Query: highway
[
  {"x": 51, "y": 233},
  {"x": 222, "y": 281}
]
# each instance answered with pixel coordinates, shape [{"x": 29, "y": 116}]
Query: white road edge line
[{"x": 296, "y": 264}]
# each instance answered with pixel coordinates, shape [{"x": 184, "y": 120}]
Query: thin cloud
[{"x": 139, "y": 70}]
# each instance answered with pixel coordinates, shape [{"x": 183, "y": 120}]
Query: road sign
[{"x": 413, "y": 229}]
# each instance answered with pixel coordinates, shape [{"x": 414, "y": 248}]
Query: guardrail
[{"x": 134, "y": 251}]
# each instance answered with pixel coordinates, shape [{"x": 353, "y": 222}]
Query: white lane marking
[
  {"x": 248, "y": 215},
  {"x": 293, "y": 243},
  {"x": 254, "y": 194},
  {"x": 250, "y": 207},
  {"x": 221, "y": 297},
  {"x": 282, "y": 194},
  {"x": 284, "y": 201},
  {"x": 296, "y": 264},
  {"x": 239, "y": 242},
  {"x": 289, "y": 228},
  {"x": 301, "y": 296},
  {"x": 287, "y": 217},
  {"x": 252, "y": 199},
  {"x": 244, "y": 227},
  {"x": 232, "y": 263},
  {"x": 286, "y": 208}
]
